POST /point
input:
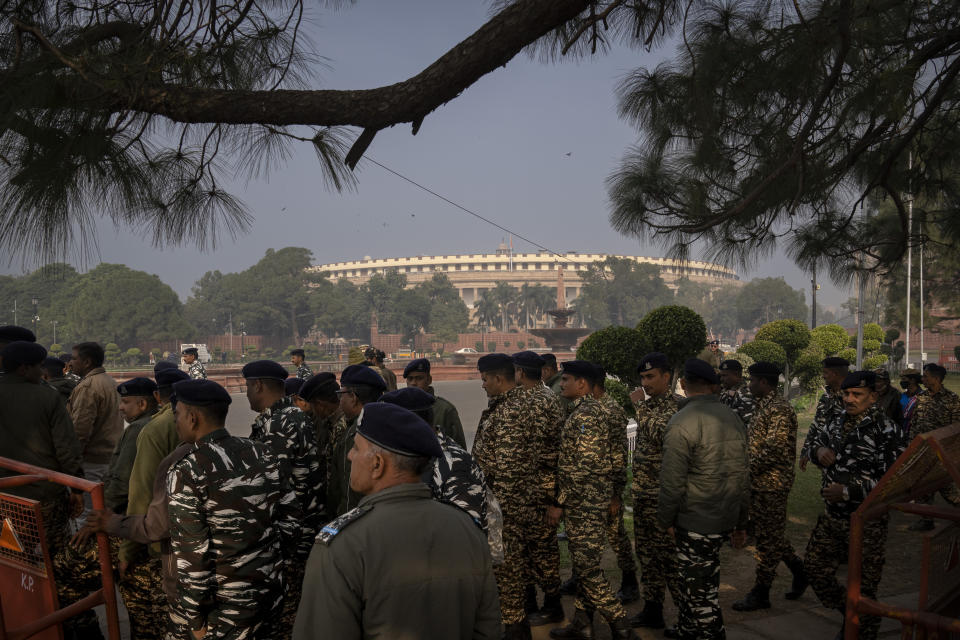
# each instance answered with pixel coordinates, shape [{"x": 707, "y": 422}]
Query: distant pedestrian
[
  {"x": 298, "y": 358},
  {"x": 191, "y": 357},
  {"x": 388, "y": 376},
  {"x": 910, "y": 383}
]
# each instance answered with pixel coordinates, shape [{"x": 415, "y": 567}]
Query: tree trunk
[{"x": 293, "y": 326}]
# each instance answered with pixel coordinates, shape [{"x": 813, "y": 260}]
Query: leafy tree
[
  {"x": 618, "y": 350},
  {"x": 956, "y": 352},
  {"x": 621, "y": 393},
  {"x": 111, "y": 353},
  {"x": 808, "y": 367},
  {"x": 534, "y": 301},
  {"x": 133, "y": 356},
  {"x": 506, "y": 297},
  {"x": 831, "y": 338},
  {"x": 677, "y": 332},
  {"x": 873, "y": 331},
  {"x": 56, "y": 349},
  {"x": 619, "y": 291},
  {"x": 487, "y": 311},
  {"x": 891, "y": 335},
  {"x": 491, "y": 346},
  {"x": 874, "y": 361},
  {"x": 793, "y": 336},
  {"x": 764, "y": 300},
  {"x": 740, "y": 357},
  {"x": 447, "y": 314},
  {"x": 765, "y": 351},
  {"x": 849, "y": 354},
  {"x": 521, "y": 345},
  {"x": 340, "y": 309}
]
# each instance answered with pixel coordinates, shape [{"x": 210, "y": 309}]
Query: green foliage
[
  {"x": 619, "y": 291},
  {"x": 521, "y": 345},
  {"x": 875, "y": 361},
  {"x": 620, "y": 393},
  {"x": 740, "y": 357},
  {"x": 765, "y": 351},
  {"x": 133, "y": 356},
  {"x": 491, "y": 346},
  {"x": 618, "y": 350},
  {"x": 533, "y": 301},
  {"x": 956, "y": 352},
  {"x": 792, "y": 335},
  {"x": 111, "y": 353},
  {"x": 873, "y": 331},
  {"x": 808, "y": 367},
  {"x": 311, "y": 351},
  {"x": 478, "y": 346},
  {"x": 831, "y": 338},
  {"x": 871, "y": 346},
  {"x": 891, "y": 335},
  {"x": 849, "y": 354},
  {"x": 55, "y": 349},
  {"x": 676, "y": 331}
]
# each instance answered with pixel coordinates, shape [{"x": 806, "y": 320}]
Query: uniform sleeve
[
  {"x": 817, "y": 437},
  {"x": 190, "y": 541},
  {"x": 673, "y": 475},
  {"x": 767, "y": 446},
  {"x": 886, "y": 449},
  {"x": 150, "y": 451},
  {"x": 330, "y": 599},
  {"x": 819, "y": 419},
  {"x": 487, "y": 623},
  {"x": 83, "y": 412},
  {"x": 65, "y": 444},
  {"x": 452, "y": 427},
  {"x": 618, "y": 451},
  {"x": 484, "y": 455}
]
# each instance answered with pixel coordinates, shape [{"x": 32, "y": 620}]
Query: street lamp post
[
  {"x": 54, "y": 323},
  {"x": 36, "y": 318}
]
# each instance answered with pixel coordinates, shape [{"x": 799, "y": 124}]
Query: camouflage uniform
[
  {"x": 196, "y": 371},
  {"x": 292, "y": 439},
  {"x": 829, "y": 407},
  {"x": 865, "y": 447},
  {"x": 456, "y": 479},
  {"x": 545, "y": 423},
  {"x": 506, "y": 451},
  {"x": 741, "y": 401},
  {"x": 934, "y": 411},
  {"x": 656, "y": 550},
  {"x": 772, "y": 441},
  {"x": 329, "y": 429},
  {"x": 584, "y": 487},
  {"x": 698, "y": 612},
  {"x": 616, "y": 531},
  {"x": 303, "y": 371},
  {"x": 232, "y": 518}
]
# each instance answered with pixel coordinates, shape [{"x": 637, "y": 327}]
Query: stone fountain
[{"x": 561, "y": 337}]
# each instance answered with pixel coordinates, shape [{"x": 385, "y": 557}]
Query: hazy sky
[{"x": 529, "y": 146}]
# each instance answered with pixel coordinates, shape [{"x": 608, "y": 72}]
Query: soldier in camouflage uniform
[
  {"x": 829, "y": 406},
  {"x": 584, "y": 487},
  {"x": 772, "y": 438},
  {"x": 854, "y": 451},
  {"x": 359, "y": 385},
  {"x": 233, "y": 522},
  {"x": 454, "y": 477},
  {"x": 656, "y": 550},
  {"x": 551, "y": 378},
  {"x": 292, "y": 439},
  {"x": 53, "y": 376},
  {"x": 734, "y": 391},
  {"x": 937, "y": 407},
  {"x": 506, "y": 450},
  {"x": 704, "y": 498},
  {"x": 547, "y": 417},
  {"x": 446, "y": 419},
  {"x": 297, "y": 358},
  {"x": 319, "y": 396},
  {"x": 195, "y": 368}
]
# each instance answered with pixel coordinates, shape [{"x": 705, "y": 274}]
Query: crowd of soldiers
[{"x": 354, "y": 510}]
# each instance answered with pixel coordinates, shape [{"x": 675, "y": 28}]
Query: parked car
[{"x": 466, "y": 350}]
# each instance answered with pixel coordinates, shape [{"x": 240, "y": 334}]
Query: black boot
[
  {"x": 651, "y": 616},
  {"x": 621, "y": 629},
  {"x": 799, "y": 584},
  {"x": 580, "y": 628},
  {"x": 551, "y": 612},
  {"x": 517, "y": 631},
  {"x": 629, "y": 589},
  {"x": 530, "y": 600},
  {"x": 569, "y": 587},
  {"x": 756, "y": 598}
]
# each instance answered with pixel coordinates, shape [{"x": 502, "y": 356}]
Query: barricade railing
[
  {"x": 930, "y": 463},
  {"x": 106, "y": 595}
]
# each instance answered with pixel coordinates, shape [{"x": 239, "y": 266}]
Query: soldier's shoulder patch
[{"x": 332, "y": 528}]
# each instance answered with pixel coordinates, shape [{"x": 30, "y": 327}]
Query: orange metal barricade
[
  {"x": 25, "y": 558},
  {"x": 931, "y": 462}
]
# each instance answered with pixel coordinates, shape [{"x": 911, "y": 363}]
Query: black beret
[
  {"x": 601, "y": 373},
  {"x": 399, "y": 430},
  {"x": 53, "y": 363},
  {"x": 764, "y": 369},
  {"x": 580, "y": 368},
  {"x": 22, "y": 352},
  {"x": 169, "y": 377},
  {"x": 317, "y": 383},
  {"x": 191, "y": 351},
  {"x": 66, "y": 357},
  {"x": 200, "y": 393},
  {"x": 292, "y": 386},
  {"x": 410, "y": 398},
  {"x": 264, "y": 369},
  {"x": 494, "y": 362},
  {"x": 834, "y": 362},
  {"x": 420, "y": 365},
  {"x": 859, "y": 379},
  {"x": 163, "y": 364},
  {"x": 549, "y": 359},
  {"x": 298, "y": 352},
  {"x": 716, "y": 342},
  {"x": 359, "y": 375},
  {"x": 882, "y": 374},
  {"x": 731, "y": 365},
  {"x": 935, "y": 369},
  {"x": 528, "y": 360},
  {"x": 13, "y": 333},
  {"x": 655, "y": 360},
  {"x": 697, "y": 368},
  {"x": 137, "y": 387},
  {"x": 369, "y": 352}
]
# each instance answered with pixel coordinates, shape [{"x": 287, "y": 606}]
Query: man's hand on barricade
[{"x": 96, "y": 523}]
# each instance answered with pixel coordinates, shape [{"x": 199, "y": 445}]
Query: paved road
[{"x": 466, "y": 395}]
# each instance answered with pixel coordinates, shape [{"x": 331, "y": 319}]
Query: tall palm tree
[
  {"x": 506, "y": 297},
  {"x": 488, "y": 311},
  {"x": 534, "y": 300}
]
